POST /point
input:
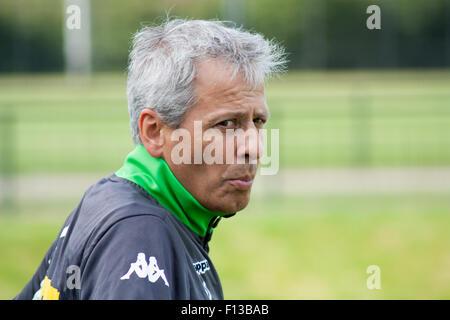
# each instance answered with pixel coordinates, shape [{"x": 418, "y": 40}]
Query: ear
[{"x": 151, "y": 132}]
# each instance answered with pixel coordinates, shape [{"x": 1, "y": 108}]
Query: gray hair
[{"x": 162, "y": 64}]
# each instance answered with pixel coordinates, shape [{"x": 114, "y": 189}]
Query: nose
[{"x": 249, "y": 146}]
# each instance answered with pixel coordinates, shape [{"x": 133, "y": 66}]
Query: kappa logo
[
  {"x": 201, "y": 266},
  {"x": 142, "y": 269}
]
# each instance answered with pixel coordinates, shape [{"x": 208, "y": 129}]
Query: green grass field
[
  {"x": 279, "y": 247},
  {"x": 289, "y": 248}
]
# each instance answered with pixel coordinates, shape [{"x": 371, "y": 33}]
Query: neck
[{"x": 156, "y": 177}]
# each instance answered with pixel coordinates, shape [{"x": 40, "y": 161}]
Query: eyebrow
[{"x": 235, "y": 114}]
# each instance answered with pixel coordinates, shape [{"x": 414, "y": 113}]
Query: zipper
[{"x": 211, "y": 225}]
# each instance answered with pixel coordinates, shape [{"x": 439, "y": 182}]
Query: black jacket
[{"x": 119, "y": 243}]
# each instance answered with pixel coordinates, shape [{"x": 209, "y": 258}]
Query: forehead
[{"x": 216, "y": 90}]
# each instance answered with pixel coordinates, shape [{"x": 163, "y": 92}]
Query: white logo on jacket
[{"x": 142, "y": 269}]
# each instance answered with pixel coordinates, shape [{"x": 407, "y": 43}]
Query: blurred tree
[
  {"x": 30, "y": 35},
  {"x": 316, "y": 33}
]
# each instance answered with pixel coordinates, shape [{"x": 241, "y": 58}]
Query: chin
[{"x": 233, "y": 204}]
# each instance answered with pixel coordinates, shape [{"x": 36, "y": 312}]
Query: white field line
[
  {"x": 288, "y": 181},
  {"x": 354, "y": 181}
]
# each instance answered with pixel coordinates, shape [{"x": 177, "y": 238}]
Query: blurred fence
[
  {"x": 53, "y": 127},
  {"x": 90, "y": 133},
  {"x": 7, "y": 157}
]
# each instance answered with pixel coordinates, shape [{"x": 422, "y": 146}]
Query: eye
[
  {"x": 225, "y": 123},
  {"x": 259, "y": 122}
]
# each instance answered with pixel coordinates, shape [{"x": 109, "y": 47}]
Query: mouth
[{"x": 242, "y": 183}]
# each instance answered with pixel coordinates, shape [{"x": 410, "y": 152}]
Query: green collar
[{"x": 154, "y": 175}]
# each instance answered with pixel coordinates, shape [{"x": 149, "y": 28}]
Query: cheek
[
  {"x": 205, "y": 181},
  {"x": 219, "y": 148}
]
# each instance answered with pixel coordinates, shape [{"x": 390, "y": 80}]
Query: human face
[{"x": 222, "y": 104}]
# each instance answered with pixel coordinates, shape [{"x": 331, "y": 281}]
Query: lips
[
  {"x": 244, "y": 178},
  {"x": 242, "y": 183}
]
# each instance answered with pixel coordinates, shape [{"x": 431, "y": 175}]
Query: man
[{"x": 143, "y": 232}]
